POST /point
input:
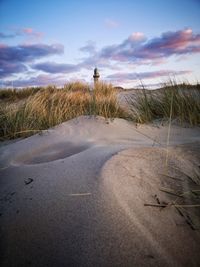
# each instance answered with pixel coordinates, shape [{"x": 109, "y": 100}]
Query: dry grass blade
[
  {"x": 187, "y": 217},
  {"x": 193, "y": 192},
  {"x": 187, "y": 205},
  {"x": 171, "y": 177},
  {"x": 173, "y": 204},
  {"x": 170, "y": 191},
  {"x": 193, "y": 174},
  {"x": 194, "y": 178},
  {"x": 169, "y": 129}
]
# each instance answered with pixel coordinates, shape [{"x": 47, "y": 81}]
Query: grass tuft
[
  {"x": 51, "y": 106},
  {"x": 149, "y": 105},
  {"x": 17, "y": 94}
]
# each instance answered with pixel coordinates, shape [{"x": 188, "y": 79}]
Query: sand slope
[
  {"x": 74, "y": 196},
  {"x": 133, "y": 178}
]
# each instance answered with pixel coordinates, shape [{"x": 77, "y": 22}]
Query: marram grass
[
  {"x": 50, "y": 106},
  {"x": 149, "y": 105},
  {"x": 17, "y": 94},
  {"x": 27, "y": 111}
]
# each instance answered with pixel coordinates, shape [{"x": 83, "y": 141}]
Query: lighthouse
[{"x": 96, "y": 76}]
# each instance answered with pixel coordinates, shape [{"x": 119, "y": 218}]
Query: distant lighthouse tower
[{"x": 96, "y": 76}]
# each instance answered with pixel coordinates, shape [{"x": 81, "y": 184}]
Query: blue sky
[{"x": 53, "y": 42}]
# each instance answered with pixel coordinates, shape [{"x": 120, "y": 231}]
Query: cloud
[
  {"x": 30, "y": 32},
  {"x": 29, "y": 52},
  {"x": 136, "y": 37},
  {"x": 52, "y": 67},
  {"x": 137, "y": 49},
  {"x": 133, "y": 51},
  {"x": 171, "y": 43},
  {"x": 124, "y": 50},
  {"x": 110, "y": 23},
  {"x": 12, "y": 58},
  {"x": 39, "y": 80},
  {"x": 6, "y": 36},
  {"x": 9, "y": 68},
  {"x": 89, "y": 48},
  {"x": 145, "y": 75}
]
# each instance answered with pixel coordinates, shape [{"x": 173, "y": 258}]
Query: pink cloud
[
  {"x": 26, "y": 31},
  {"x": 136, "y": 48},
  {"x": 3, "y": 46},
  {"x": 137, "y": 36},
  {"x": 32, "y": 32}
]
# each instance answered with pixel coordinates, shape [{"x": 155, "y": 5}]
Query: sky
[{"x": 129, "y": 41}]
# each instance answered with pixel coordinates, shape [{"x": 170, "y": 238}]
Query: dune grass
[
  {"x": 51, "y": 106},
  {"x": 17, "y": 94},
  {"x": 149, "y": 105},
  {"x": 26, "y": 111}
]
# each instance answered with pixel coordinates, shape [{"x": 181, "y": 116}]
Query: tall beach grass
[
  {"x": 51, "y": 106},
  {"x": 27, "y": 111},
  {"x": 148, "y": 105},
  {"x": 13, "y": 94}
]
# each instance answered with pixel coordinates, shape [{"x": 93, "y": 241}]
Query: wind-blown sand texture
[{"x": 75, "y": 195}]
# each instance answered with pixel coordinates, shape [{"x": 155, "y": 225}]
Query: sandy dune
[{"x": 75, "y": 195}]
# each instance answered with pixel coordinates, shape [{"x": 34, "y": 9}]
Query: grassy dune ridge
[
  {"x": 148, "y": 105},
  {"x": 24, "y": 112},
  {"x": 47, "y": 107}
]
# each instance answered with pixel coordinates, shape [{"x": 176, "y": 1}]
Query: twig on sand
[
  {"x": 156, "y": 205},
  {"x": 80, "y": 194}
]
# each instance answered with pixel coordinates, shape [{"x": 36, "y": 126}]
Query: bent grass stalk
[{"x": 169, "y": 129}]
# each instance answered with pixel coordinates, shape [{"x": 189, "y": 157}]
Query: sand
[{"x": 75, "y": 195}]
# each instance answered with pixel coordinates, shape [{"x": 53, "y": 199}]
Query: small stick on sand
[
  {"x": 79, "y": 194},
  {"x": 156, "y": 205}
]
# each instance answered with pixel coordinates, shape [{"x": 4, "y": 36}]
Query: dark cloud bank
[{"x": 14, "y": 58}]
